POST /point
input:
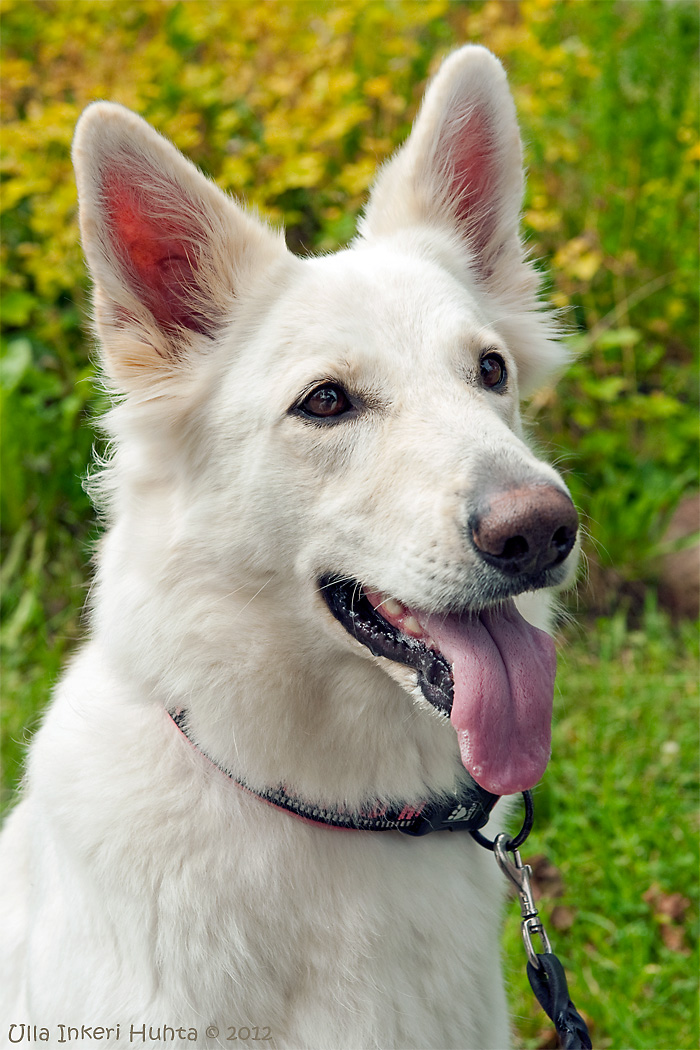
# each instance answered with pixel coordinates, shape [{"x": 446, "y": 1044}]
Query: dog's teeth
[
  {"x": 391, "y": 607},
  {"x": 411, "y": 626}
]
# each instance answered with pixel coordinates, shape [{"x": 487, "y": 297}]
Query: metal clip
[{"x": 519, "y": 874}]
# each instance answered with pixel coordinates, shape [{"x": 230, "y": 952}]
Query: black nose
[{"x": 525, "y": 530}]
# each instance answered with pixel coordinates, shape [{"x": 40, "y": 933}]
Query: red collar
[{"x": 466, "y": 810}]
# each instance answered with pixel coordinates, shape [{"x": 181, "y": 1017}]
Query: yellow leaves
[
  {"x": 14, "y": 190},
  {"x": 17, "y": 73},
  {"x": 304, "y": 170},
  {"x": 560, "y": 299},
  {"x": 543, "y": 220},
  {"x": 381, "y": 89},
  {"x": 561, "y": 149},
  {"x": 675, "y": 309},
  {"x": 377, "y": 87},
  {"x": 355, "y": 179},
  {"x": 378, "y": 147},
  {"x": 585, "y": 66},
  {"x": 336, "y": 84},
  {"x": 551, "y": 78},
  {"x": 433, "y": 9},
  {"x": 235, "y": 173},
  {"x": 340, "y": 123},
  {"x": 579, "y": 259},
  {"x": 183, "y": 128},
  {"x": 285, "y": 83},
  {"x": 538, "y": 10},
  {"x": 688, "y": 137}
]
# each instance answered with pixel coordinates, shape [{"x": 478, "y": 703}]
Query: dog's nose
[{"x": 525, "y": 530}]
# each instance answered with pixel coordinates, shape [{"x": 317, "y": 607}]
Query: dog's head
[{"x": 344, "y": 430}]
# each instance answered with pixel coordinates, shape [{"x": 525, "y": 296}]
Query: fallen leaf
[
  {"x": 547, "y": 879},
  {"x": 671, "y": 906},
  {"x": 669, "y": 911},
  {"x": 562, "y": 918},
  {"x": 674, "y": 938}
]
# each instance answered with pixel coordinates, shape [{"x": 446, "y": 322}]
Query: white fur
[{"x": 140, "y": 886}]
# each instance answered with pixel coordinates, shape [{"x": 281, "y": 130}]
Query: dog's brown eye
[
  {"x": 493, "y": 371},
  {"x": 326, "y": 401}
]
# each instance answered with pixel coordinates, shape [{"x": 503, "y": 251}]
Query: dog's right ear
[
  {"x": 168, "y": 251},
  {"x": 461, "y": 168}
]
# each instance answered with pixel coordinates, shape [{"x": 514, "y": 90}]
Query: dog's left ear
[{"x": 461, "y": 168}]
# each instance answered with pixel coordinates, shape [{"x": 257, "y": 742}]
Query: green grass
[
  {"x": 43, "y": 589},
  {"x": 617, "y": 814}
]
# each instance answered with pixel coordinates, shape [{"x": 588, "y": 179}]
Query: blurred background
[{"x": 292, "y": 106}]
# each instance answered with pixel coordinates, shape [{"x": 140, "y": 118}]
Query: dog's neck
[
  {"x": 359, "y": 737},
  {"x": 467, "y": 809}
]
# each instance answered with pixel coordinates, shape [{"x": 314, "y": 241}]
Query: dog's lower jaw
[{"x": 401, "y": 642}]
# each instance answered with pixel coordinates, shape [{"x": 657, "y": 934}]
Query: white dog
[{"x": 322, "y": 507}]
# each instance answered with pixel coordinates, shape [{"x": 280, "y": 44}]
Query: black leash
[
  {"x": 549, "y": 985},
  {"x": 544, "y": 970}
]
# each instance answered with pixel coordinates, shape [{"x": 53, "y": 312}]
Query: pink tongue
[{"x": 503, "y": 671}]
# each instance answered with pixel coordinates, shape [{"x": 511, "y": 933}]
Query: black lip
[{"x": 348, "y": 604}]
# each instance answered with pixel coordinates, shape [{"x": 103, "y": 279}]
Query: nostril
[
  {"x": 561, "y": 536},
  {"x": 515, "y": 547},
  {"x": 564, "y": 539}
]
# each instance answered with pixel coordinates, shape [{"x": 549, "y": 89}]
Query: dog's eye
[
  {"x": 326, "y": 401},
  {"x": 494, "y": 375}
]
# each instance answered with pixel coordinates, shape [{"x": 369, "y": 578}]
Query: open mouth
[
  {"x": 385, "y": 628},
  {"x": 490, "y": 671}
]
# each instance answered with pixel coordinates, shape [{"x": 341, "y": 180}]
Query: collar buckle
[{"x": 467, "y": 812}]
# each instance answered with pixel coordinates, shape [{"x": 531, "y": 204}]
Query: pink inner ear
[
  {"x": 469, "y": 155},
  {"x": 159, "y": 255}
]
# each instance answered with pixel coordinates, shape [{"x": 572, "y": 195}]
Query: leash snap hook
[{"x": 520, "y": 875}]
